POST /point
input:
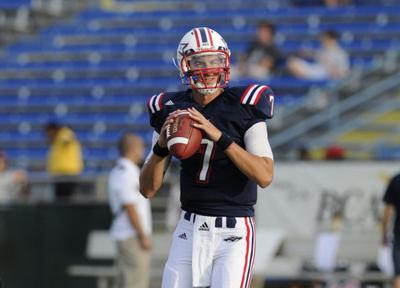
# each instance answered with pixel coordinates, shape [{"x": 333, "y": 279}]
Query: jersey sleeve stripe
[
  {"x": 247, "y": 93},
  {"x": 150, "y": 104},
  {"x": 251, "y": 94},
  {"x": 157, "y": 102},
  {"x": 153, "y": 103},
  {"x": 257, "y": 95}
]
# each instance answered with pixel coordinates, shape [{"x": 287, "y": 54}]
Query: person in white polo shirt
[{"x": 132, "y": 223}]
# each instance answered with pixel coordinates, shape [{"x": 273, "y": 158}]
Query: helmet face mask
[
  {"x": 207, "y": 71},
  {"x": 204, "y": 60}
]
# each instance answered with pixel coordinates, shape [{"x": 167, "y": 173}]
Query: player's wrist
[
  {"x": 161, "y": 143},
  {"x": 224, "y": 141},
  {"x": 160, "y": 151}
]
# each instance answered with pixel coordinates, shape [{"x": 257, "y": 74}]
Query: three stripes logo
[
  {"x": 183, "y": 236},
  {"x": 204, "y": 227}
]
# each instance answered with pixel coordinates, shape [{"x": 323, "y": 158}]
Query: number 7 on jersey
[{"x": 207, "y": 153}]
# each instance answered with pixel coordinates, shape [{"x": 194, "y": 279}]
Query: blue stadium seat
[{"x": 14, "y": 4}]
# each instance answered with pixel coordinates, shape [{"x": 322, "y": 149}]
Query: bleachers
[
  {"x": 378, "y": 133},
  {"x": 95, "y": 72},
  {"x": 14, "y": 4}
]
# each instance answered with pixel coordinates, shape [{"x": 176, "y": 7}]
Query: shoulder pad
[
  {"x": 157, "y": 102},
  {"x": 261, "y": 97},
  {"x": 158, "y": 105}
]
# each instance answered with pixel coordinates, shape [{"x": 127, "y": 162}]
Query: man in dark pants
[{"x": 392, "y": 205}]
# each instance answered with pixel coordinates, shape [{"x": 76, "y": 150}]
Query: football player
[{"x": 214, "y": 241}]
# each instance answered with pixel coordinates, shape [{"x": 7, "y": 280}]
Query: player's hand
[
  {"x": 162, "y": 140},
  {"x": 204, "y": 124},
  {"x": 145, "y": 242}
]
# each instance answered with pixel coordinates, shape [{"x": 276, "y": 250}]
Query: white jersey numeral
[{"x": 207, "y": 154}]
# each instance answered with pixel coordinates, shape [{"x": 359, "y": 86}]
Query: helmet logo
[{"x": 183, "y": 47}]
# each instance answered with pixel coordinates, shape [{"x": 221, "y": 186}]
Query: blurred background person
[
  {"x": 132, "y": 223},
  {"x": 336, "y": 3},
  {"x": 335, "y": 152},
  {"x": 330, "y": 62},
  {"x": 392, "y": 206},
  {"x": 326, "y": 3},
  {"x": 64, "y": 159},
  {"x": 303, "y": 153},
  {"x": 13, "y": 183},
  {"x": 261, "y": 58}
]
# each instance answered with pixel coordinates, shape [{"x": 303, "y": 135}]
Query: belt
[{"x": 230, "y": 221}]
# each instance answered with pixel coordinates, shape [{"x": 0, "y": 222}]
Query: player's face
[{"x": 208, "y": 67}]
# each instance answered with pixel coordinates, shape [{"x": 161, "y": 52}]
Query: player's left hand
[{"x": 204, "y": 124}]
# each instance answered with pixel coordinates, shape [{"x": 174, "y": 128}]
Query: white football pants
[{"x": 216, "y": 252}]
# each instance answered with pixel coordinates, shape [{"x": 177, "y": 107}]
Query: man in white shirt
[{"x": 131, "y": 227}]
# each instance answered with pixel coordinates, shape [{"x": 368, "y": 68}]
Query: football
[{"x": 183, "y": 140}]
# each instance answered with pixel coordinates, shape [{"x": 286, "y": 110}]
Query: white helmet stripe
[
  {"x": 196, "y": 34},
  {"x": 210, "y": 36}
]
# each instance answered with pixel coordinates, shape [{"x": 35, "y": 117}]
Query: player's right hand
[{"x": 162, "y": 140}]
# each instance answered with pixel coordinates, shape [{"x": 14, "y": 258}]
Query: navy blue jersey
[{"x": 210, "y": 182}]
